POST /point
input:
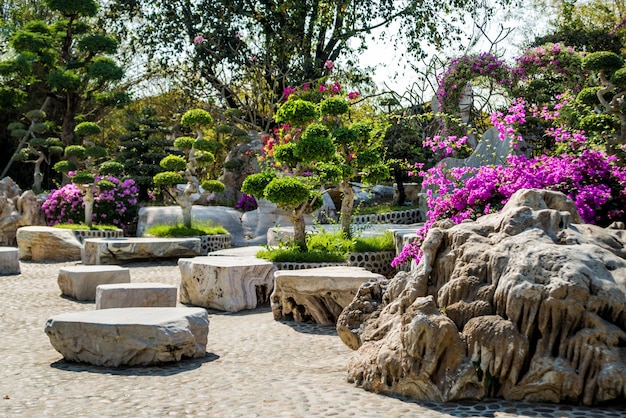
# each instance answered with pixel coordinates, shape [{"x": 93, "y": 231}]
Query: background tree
[
  {"x": 248, "y": 52},
  {"x": 61, "y": 67}
]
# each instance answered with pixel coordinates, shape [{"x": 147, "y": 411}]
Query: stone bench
[
  {"x": 44, "y": 243},
  {"x": 226, "y": 283},
  {"x": 136, "y": 295},
  {"x": 9, "y": 261},
  {"x": 123, "y": 250},
  {"x": 318, "y": 294},
  {"x": 130, "y": 336},
  {"x": 80, "y": 282}
]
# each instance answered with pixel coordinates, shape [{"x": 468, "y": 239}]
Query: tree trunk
[
  {"x": 398, "y": 174},
  {"x": 299, "y": 228},
  {"x": 347, "y": 204},
  {"x": 88, "y": 200}
]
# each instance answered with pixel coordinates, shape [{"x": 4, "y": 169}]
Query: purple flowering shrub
[
  {"x": 592, "y": 180},
  {"x": 246, "y": 203},
  {"x": 117, "y": 206}
]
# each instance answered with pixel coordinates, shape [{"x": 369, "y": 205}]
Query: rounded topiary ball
[
  {"x": 167, "y": 178},
  {"x": 87, "y": 128},
  {"x": 287, "y": 192},
  {"x": 196, "y": 117},
  {"x": 83, "y": 177},
  {"x": 297, "y": 112},
  {"x": 602, "y": 60},
  {"x": 334, "y": 106},
  {"x": 173, "y": 163},
  {"x": 213, "y": 186}
]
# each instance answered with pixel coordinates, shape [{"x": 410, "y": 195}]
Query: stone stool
[
  {"x": 80, "y": 282},
  {"x": 130, "y": 336},
  {"x": 226, "y": 283},
  {"x": 318, "y": 294},
  {"x": 136, "y": 295},
  {"x": 9, "y": 261}
]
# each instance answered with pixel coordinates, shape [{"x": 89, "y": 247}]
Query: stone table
[
  {"x": 225, "y": 283},
  {"x": 123, "y": 250},
  {"x": 318, "y": 294},
  {"x": 130, "y": 336}
]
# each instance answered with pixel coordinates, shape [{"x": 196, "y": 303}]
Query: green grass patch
[
  {"x": 379, "y": 208},
  {"x": 83, "y": 227},
  {"x": 327, "y": 247},
  {"x": 180, "y": 230}
]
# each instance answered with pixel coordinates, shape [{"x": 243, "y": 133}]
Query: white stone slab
[
  {"x": 122, "y": 250},
  {"x": 9, "y": 261},
  {"x": 80, "y": 282},
  {"x": 136, "y": 295},
  {"x": 44, "y": 243},
  {"x": 130, "y": 336},
  {"x": 318, "y": 294},
  {"x": 226, "y": 283}
]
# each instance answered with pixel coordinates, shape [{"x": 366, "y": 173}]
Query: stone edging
[
  {"x": 83, "y": 234},
  {"x": 401, "y": 217}
]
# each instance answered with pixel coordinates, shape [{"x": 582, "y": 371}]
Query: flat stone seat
[
  {"x": 80, "y": 282},
  {"x": 123, "y": 250},
  {"x": 136, "y": 295},
  {"x": 45, "y": 243},
  {"x": 9, "y": 261},
  {"x": 318, "y": 294},
  {"x": 225, "y": 283},
  {"x": 129, "y": 336}
]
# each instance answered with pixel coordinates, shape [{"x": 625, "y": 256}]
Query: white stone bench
[
  {"x": 136, "y": 295},
  {"x": 123, "y": 250},
  {"x": 9, "y": 261},
  {"x": 80, "y": 282},
  {"x": 130, "y": 336},
  {"x": 225, "y": 283},
  {"x": 45, "y": 243},
  {"x": 318, "y": 294}
]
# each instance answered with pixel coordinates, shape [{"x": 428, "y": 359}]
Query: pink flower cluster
[{"x": 446, "y": 146}]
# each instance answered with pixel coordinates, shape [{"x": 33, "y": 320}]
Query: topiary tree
[
  {"x": 88, "y": 159},
  {"x": 197, "y": 155}
]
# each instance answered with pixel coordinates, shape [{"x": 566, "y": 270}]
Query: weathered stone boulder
[
  {"x": 45, "y": 243},
  {"x": 527, "y": 304},
  {"x": 124, "y": 250},
  {"x": 130, "y": 336},
  {"x": 17, "y": 209}
]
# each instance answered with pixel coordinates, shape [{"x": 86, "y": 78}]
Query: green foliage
[
  {"x": 382, "y": 242},
  {"x": 599, "y": 122},
  {"x": 167, "y": 179},
  {"x": 296, "y": 112},
  {"x": 116, "y": 99},
  {"x": 602, "y": 61},
  {"x": 204, "y": 157},
  {"x": 64, "y": 166},
  {"x": 344, "y": 136},
  {"x": 619, "y": 78},
  {"x": 589, "y": 96},
  {"x": 233, "y": 164},
  {"x": 315, "y": 144},
  {"x": 376, "y": 173},
  {"x": 184, "y": 142},
  {"x": 106, "y": 185},
  {"x": 213, "y": 186},
  {"x": 334, "y": 106},
  {"x": 73, "y": 7},
  {"x": 112, "y": 168},
  {"x": 286, "y": 154},
  {"x": 293, "y": 254},
  {"x": 206, "y": 145},
  {"x": 196, "y": 117},
  {"x": 180, "y": 230},
  {"x": 287, "y": 192},
  {"x": 255, "y": 184},
  {"x": 77, "y": 151},
  {"x": 367, "y": 158},
  {"x": 83, "y": 177},
  {"x": 173, "y": 163},
  {"x": 104, "y": 69},
  {"x": 83, "y": 227},
  {"x": 97, "y": 44},
  {"x": 64, "y": 80},
  {"x": 96, "y": 152},
  {"x": 87, "y": 128}
]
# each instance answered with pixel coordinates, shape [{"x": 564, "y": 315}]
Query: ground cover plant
[{"x": 180, "y": 230}]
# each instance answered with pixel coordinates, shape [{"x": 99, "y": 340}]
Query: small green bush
[
  {"x": 179, "y": 230},
  {"x": 184, "y": 142},
  {"x": 173, "y": 163},
  {"x": 334, "y": 106},
  {"x": 167, "y": 178},
  {"x": 196, "y": 117},
  {"x": 297, "y": 112},
  {"x": 287, "y": 192},
  {"x": 83, "y": 227},
  {"x": 602, "y": 60}
]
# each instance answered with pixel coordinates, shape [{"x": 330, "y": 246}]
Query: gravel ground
[{"x": 254, "y": 367}]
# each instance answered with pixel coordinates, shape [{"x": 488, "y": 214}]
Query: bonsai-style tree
[
  {"x": 89, "y": 161},
  {"x": 298, "y": 185},
  {"x": 37, "y": 149},
  {"x": 198, "y": 154}
]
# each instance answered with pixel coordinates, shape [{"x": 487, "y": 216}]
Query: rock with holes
[{"x": 528, "y": 305}]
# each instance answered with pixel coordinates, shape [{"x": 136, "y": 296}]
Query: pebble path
[{"x": 254, "y": 367}]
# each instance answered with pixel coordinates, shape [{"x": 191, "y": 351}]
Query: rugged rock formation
[
  {"x": 527, "y": 304},
  {"x": 17, "y": 209}
]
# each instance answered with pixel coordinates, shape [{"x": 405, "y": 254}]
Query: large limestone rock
[
  {"x": 130, "y": 336},
  {"x": 226, "y": 283},
  {"x": 44, "y": 243},
  {"x": 528, "y": 304},
  {"x": 317, "y": 294},
  {"x": 17, "y": 209}
]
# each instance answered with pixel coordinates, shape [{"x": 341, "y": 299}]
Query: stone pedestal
[
  {"x": 9, "y": 261},
  {"x": 136, "y": 295},
  {"x": 44, "y": 243},
  {"x": 123, "y": 250},
  {"x": 80, "y": 282},
  {"x": 225, "y": 283},
  {"x": 316, "y": 294},
  {"x": 130, "y": 336}
]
